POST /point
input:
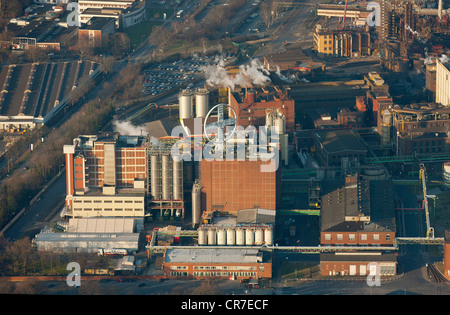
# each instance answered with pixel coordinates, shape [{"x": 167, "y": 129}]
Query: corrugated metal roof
[{"x": 101, "y": 225}]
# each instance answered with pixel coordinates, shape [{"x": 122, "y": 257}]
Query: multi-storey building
[
  {"x": 443, "y": 83},
  {"x": 342, "y": 43},
  {"x": 251, "y": 105},
  {"x": 105, "y": 176}
]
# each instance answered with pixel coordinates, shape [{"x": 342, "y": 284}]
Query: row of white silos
[
  {"x": 235, "y": 236},
  {"x": 166, "y": 177},
  {"x": 188, "y": 98}
]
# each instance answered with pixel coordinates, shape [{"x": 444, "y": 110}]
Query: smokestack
[
  {"x": 250, "y": 96},
  {"x": 440, "y": 10}
]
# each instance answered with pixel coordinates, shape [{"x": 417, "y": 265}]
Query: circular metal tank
[
  {"x": 240, "y": 237},
  {"x": 166, "y": 179},
  {"x": 201, "y": 237},
  {"x": 269, "y": 119},
  {"x": 231, "y": 236},
  {"x": 211, "y": 237},
  {"x": 201, "y": 103},
  {"x": 268, "y": 237},
  {"x": 446, "y": 171},
  {"x": 259, "y": 237},
  {"x": 196, "y": 204},
  {"x": 155, "y": 179},
  {"x": 185, "y": 99},
  {"x": 221, "y": 237},
  {"x": 280, "y": 124},
  {"x": 177, "y": 180},
  {"x": 249, "y": 237}
]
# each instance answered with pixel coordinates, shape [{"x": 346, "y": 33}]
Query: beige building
[{"x": 443, "y": 83}]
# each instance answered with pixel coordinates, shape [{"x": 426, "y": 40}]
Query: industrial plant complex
[{"x": 287, "y": 153}]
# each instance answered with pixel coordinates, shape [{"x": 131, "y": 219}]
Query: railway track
[{"x": 435, "y": 275}]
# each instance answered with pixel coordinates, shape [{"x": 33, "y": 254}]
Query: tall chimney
[{"x": 440, "y": 10}]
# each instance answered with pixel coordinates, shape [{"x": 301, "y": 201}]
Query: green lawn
[{"x": 138, "y": 33}]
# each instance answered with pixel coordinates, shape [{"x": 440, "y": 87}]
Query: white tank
[
  {"x": 231, "y": 237},
  {"x": 201, "y": 237},
  {"x": 240, "y": 237},
  {"x": 211, "y": 237},
  {"x": 268, "y": 237},
  {"x": 259, "y": 237},
  {"x": 221, "y": 237},
  {"x": 185, "y": 99},
  {"x": 280, "y": 124},
  {"x": 201, "y": 103},
  {"x": 446, "y": 171},
  {"x": 249, "y": 237}
]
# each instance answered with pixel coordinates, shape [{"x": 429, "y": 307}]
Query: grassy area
[{"x": 138, "y": 33}]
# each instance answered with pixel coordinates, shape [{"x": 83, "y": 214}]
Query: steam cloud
[
  {"x": 126, "y": 128},
  {"x": 250, "y": 74}
]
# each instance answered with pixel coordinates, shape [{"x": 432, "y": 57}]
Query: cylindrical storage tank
[
  {"x": 155, "y": 179},
  {"x": 249, "y": 237},
  {"x": 280, "y": 124},
  {"x": 177, "y": 180},
  {"x": 222, "y": 237},
  {"x": 196, "y": 204},
  {"x": 446, "y": 171},
  {"x": 231, "y": 236},
  {"x": 166, "y": 179},
  {"x": 240, "y": 237},
  {"x": 259, "y": 237},
  {"x": 268, "y": 237},
  {"x": 185, "y": 104},
  {"x": 201, "y": 103},
  {"x": 211, "y": 237},
  {"x": 269, "y": 119},
  {"x": 201, "y": 237}
]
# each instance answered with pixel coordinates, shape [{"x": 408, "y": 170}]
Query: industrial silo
[
  {"x": 231, "y": 236},
  {"x": 177, "y": 180},
  {"x": 166, "y": 180},
  {"x": 211, "y": 236},
  {"x": 240, "y": 237},
  {"x": 446, "y": 171},
  {"x": 155, "y": 180},
  {"x": 221, "y": 237},
  {"x": 259, "y": 237},
  {"x": 279, "y": 122},
  {"x": 196, "y": 203},
  {"x": 185, "y": 100},
  {"x": 201, "y": 237},
  {"x": 201, "y": 103},
  {"x": 268, "y": 237},
  {"x": 249, "y": 236}
]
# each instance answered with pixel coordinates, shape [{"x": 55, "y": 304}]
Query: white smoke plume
[
  {"x": 126, "y": 128},
  {"x": 411, "y": 30},
  {"x": 444, "y": 59},
  {"x": 250, "y": 74},
  {"x": 283, "y": 77}
]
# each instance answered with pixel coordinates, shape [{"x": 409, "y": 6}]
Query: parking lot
[{"x": 164, "y": 77}]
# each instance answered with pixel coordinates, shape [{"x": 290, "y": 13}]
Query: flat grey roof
[{"x": 211, "y": 255}]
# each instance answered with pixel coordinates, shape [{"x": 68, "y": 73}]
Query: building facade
[
  {"x": 443, "y": 83},
  {"x": 217, "y": 264},
  {"x": 105, "y": 176},
  {"x": 228, "y": 186}
]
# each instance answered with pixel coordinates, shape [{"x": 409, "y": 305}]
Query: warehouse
[
  {"x": 209, "y": 263},
  {"x": 90, "y": 235}
]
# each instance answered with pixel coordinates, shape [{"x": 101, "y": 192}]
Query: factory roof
[
  {"x": 365, "y": 205},
  {"x": 97, "y": 23},
  {"x": 212, "y": 255},
  {"x": 256, "y": 216},
  {"x": 101, "y": 225},
  {"x": 161, "y": 128},
  {"x": 336, "y": 141}
]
